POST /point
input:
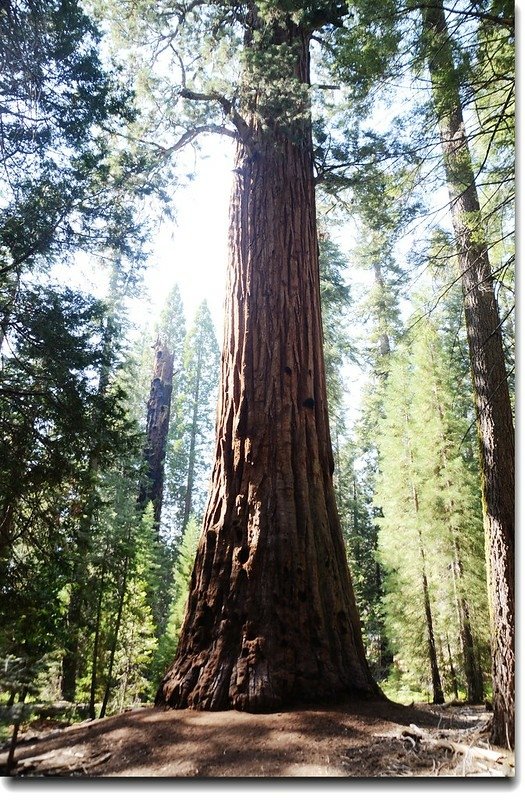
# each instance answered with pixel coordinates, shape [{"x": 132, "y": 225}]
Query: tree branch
[
  {"x": 192, "y": 134},
  {"x": 506, "y": 22},
  {"x": 228, "y": 108},
  {"x": 185, "y": 139}
]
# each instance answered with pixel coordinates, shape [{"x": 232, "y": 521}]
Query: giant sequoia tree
[{"x": 271, "y": 616}]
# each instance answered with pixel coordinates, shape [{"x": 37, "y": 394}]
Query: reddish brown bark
[
  {"x": 494, "y": 413},
  {"x": 271, "y": 617}
]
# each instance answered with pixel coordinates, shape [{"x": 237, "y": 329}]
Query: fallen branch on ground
[{"x": 418, "y": 737}]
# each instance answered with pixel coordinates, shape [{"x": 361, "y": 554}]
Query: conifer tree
[
  {"x": 191, "y": 445},
  {"x": 337, "y": 347},
  {"x": 172, "y": 326},
  {"x": 405, "y": 546},
  {"x": 457, "y": 46},
  {"x": 378, "y": 222},
  {"x": 46, "y": 576},
  {"x": 435, "y": 496},
  {"x": 180, "y": 586},
  {"x": 358, "y": 518},
  {"x": 130, "y": 638},
  {"x": 489, "y": 374},
  {"x": 57, "y": 97},
  {"x": 451, "y": 499},
  {"x": 271, "y": 513}
]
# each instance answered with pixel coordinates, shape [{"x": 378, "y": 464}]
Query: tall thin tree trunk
[
  {"x": 271, "y": 616},
  {"x": 94, "y": 663},
  {"x": 78, "y": 593},
  {"x": 382, "y": 369},
  {"x": 11, "y": 761},
  {"x": 473, "y": 673},
  {"x": 452, "y": 670},
  {"x": 494, "y": 413},
  {"x": 116, "y": 632},
  {"x": 159, "y": 403},
  {"x": 188, "y": 496},
  {"x": 79, "y": 589},
  {"x": 355, "y": 521},
  {"x": 437, "y": 689}
]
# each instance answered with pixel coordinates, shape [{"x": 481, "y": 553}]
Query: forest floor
[{"x": 351, "y": 740}]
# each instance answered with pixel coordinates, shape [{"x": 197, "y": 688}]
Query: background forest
[{"x": 108, "y": 413}]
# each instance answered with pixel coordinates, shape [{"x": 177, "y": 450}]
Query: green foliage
[
  {"x": 137, "y": 640},
  {"x": 179, "y": 594},
  {"x": 189, "y": 451},
  {"x": 357, "y": 513},
  {"x": 63, "y": 181},
  {"x": 431, "y": 521},
  {"x": 365, "y": 50},
  {"x": 120, "y": 593},
  {"x": 337, "y": 347},
  {"x": 401, "y": 143},
  {"x": 172, "y": 327},
  {"x": 50, "y": 411}
]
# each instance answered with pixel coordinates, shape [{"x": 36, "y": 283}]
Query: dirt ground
[{"x": 377, "y": 739}]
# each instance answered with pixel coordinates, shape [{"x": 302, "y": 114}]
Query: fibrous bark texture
[
  {"x": 271, "y": 617},
  {"x": 494, "y": 412}
]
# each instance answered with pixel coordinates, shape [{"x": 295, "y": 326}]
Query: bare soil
[{"x": 351, "y": 740}]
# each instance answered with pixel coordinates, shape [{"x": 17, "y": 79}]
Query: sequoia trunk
[
  {"x": 494, "y": 414},
  {"x": 271, "y": 617}
]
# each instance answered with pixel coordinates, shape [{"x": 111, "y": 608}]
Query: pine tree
[
  {"x": 432, "y": 508},
  {"x": 358, "y": 518},
  {"x": 489, "y": 374},
  {"x": 172, "y": 326},
  {"x": 135, "y": 639},
  {"x": 455, "y": 47},
  {"x": 405, "y": 544},
  {"x": 81, "y": 544},
  {"x": 378, "y": 223},
  {"x": 190, "y": 455},
  {"x": 180, "y": 587},
  {"x": 46, "y": 401},
  {"x": 451, "y": 498},
  {"x": 56, "y": 97},
  {"x": 337, "y": 347}
]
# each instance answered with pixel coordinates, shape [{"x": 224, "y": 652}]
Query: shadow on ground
[{"x": 347, "y": 740}]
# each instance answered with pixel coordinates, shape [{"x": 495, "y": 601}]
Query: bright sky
[{"x": 191, "y": 251}]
